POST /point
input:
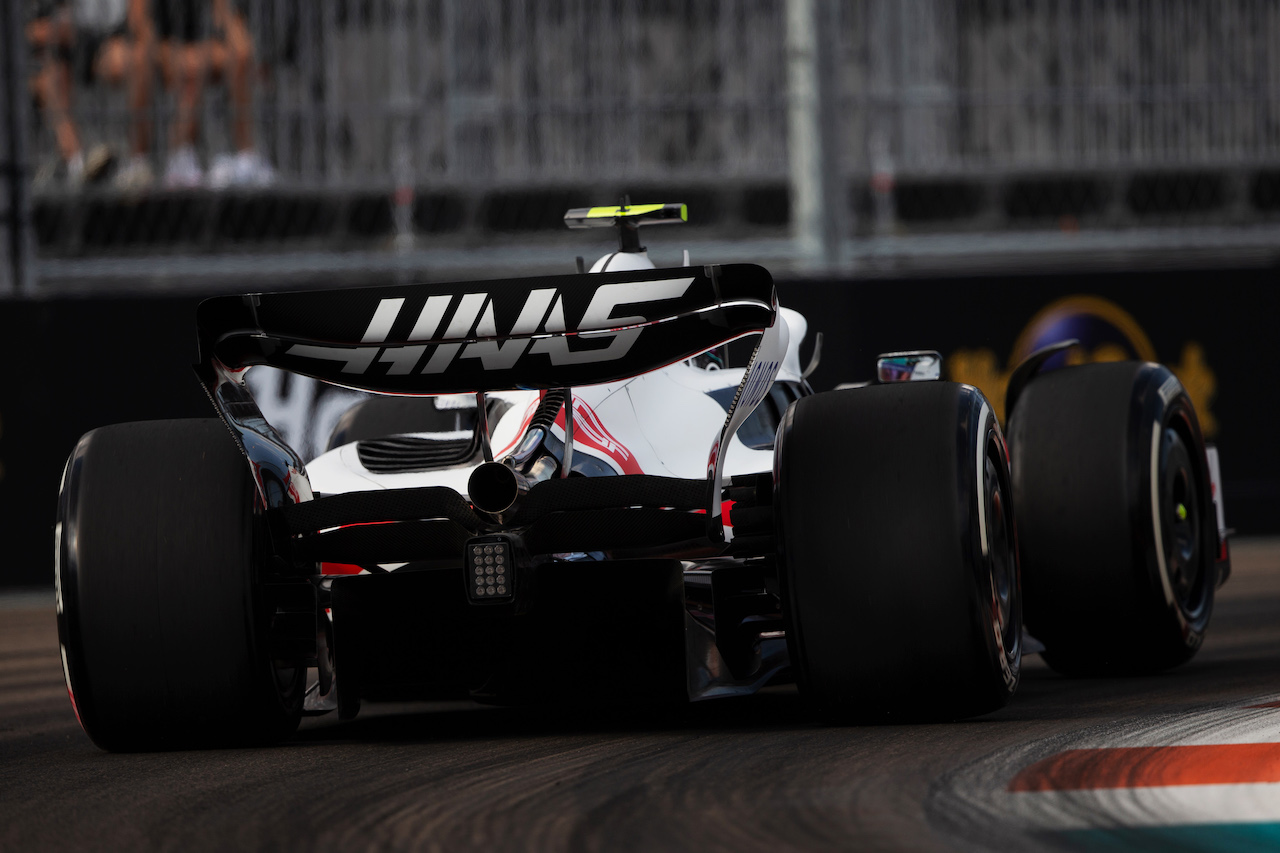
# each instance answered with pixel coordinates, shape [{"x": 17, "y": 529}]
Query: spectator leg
[
  {"x": 52, "y": 87},
  {"x": 128, "y": 62},
  {"x": 191, "y": 63},
  {"x": 239, "y": 69},
  {"x": 52, "y": 83}
]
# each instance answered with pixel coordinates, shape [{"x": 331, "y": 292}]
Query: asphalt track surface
[{"x": 1132, "y": 763}]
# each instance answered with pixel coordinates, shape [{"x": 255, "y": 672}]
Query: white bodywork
[
  {"x": 668, "y": 422},
  {"x": 664, "y": 422}
]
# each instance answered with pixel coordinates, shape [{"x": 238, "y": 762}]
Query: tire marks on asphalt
[{"x": 30, "y": 666}]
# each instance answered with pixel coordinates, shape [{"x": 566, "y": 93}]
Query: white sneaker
[
  {"x": 222, "y": 172},
  {"x": 75, "y": 170},
  {"x": 98, "y": 162},
  {"x": 245, "y": 168},
  {"x": 135, "y": 174},
  {"x": 253, "y": 170},
  {"x": 183, "y": 170}
]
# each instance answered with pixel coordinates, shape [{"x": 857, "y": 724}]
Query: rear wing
[
  {"x": 636, "y": 214},
  {"x": 442, "y": 338}
]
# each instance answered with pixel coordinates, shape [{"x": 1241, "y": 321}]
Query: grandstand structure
[{"x": 450, "y": 136}]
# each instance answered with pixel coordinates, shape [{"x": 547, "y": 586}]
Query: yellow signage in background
[{"x": 1106, "y": 333}]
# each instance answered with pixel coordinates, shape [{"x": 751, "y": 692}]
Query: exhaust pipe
[{"x": 496, "y": 490}]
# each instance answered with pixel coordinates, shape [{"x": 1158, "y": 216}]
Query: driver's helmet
[{"x": 622, "y": 262}]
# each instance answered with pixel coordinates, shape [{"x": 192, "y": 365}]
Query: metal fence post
[
  {"x": 817, "y": 186},
  {"x": 16, "y": 242},
  {"x": 402, "y": 105}
]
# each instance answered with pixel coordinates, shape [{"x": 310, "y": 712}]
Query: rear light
[{"x": 490, "y": 569}]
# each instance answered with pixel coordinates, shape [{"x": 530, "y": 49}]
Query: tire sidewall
[
  {"x": 1161, "y": 403},
  {"x": 1003, "y": 637},
  {"x": 67, "y": 592}
]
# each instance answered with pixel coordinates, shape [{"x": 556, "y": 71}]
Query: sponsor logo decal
[
  {"x": 758, "y": 385},
  {"x": 464, "y": 327}
]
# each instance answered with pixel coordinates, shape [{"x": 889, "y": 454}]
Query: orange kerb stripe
[
  {"x": 1151, "y": 767},
  {"x": 1275, "y": 704}
]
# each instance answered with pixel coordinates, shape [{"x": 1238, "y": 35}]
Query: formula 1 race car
[{"x": 612, "y": 512}]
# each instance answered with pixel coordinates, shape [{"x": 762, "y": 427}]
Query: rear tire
[
  {"x": 897, "y": 558},
  {"x": 1118, "y": 580},
  {"x": 160, "y": 611}
]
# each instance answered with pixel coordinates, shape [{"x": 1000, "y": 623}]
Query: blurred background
[
  {"x": 183, "y": 139},
  {"x": 975, "y": 176}
]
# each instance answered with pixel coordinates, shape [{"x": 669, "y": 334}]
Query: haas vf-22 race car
[{"x": 563, "y": 492}]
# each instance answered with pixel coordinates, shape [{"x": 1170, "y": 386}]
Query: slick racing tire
[
  {"x": 379, "y": 417},
  {"x": 898, "y": 565},
  {"x": 160, "y": 611},
  {"x": 1115, "y": 518}
]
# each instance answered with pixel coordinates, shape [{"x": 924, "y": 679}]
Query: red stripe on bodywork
[
  {"x": 524, "y": 426},
  {"x": 725, "y": 508},
  {"x": 340, "y": 569},
  {"x": 1152, "y": 767},
  {"x": 590, "y": 432}
]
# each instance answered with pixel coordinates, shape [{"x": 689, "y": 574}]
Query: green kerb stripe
[{"x": 1204, "y": 838}]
